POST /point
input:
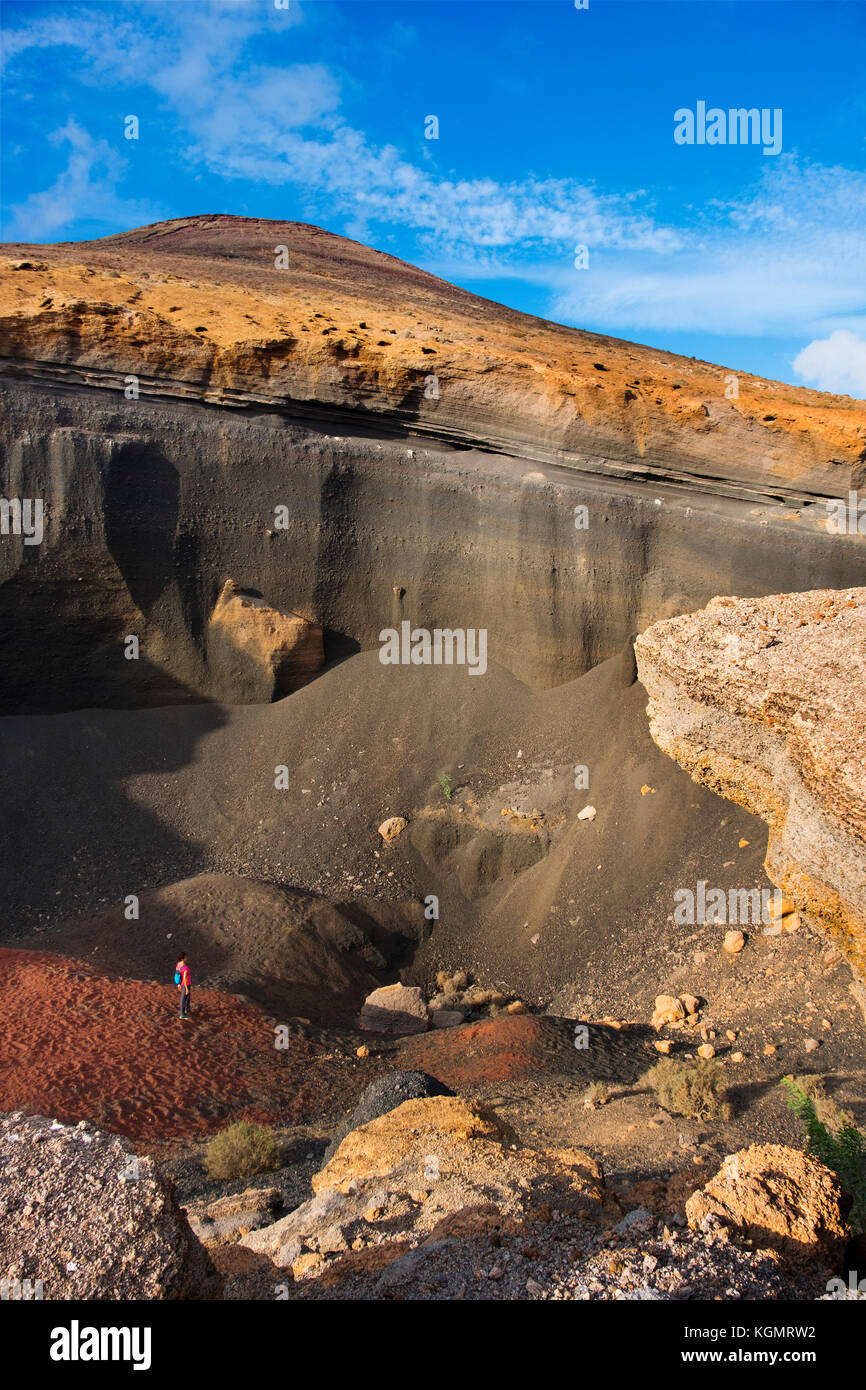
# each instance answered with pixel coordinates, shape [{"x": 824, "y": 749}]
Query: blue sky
[{"x": 556, "y": 130}]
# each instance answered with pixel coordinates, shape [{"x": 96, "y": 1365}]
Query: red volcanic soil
[
  {"x": 493, "y": 1050},
  {"x": 76, "y": 1044},
  {"x": 525, "y": 1047}
]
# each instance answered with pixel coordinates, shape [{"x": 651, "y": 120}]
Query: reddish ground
[
  {"x": 496, "y": 1049},
  {"x": 76, "y": 1044}
]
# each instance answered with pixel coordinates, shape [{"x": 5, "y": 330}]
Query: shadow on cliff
[{"x": 76, "y": 835}]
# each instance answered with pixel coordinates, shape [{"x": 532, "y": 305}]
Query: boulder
[
  {"x": 228, "y": 1218},
  {"x": 393, "y": 827},
  {"x": 395, "y": 1009},
  {"x": 447, "y": 1018},
  {"x": 92, "y": 1220},
  {"x": 780, "y": 1199},
  {"x": 668, "y": 1009},
  {"x": 764, "y": 701}
]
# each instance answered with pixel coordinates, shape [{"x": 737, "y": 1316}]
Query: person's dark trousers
[{"x": 184, "y": 1002}]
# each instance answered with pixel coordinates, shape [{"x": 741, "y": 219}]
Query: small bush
[
  {"x": 241, "y": 1150},
  {"x": 596, "y": 1093},
  {"x": 445, "y": 784},
  {"x": 697, "y": 1090},
  {"x": 841, "y": 1149}
]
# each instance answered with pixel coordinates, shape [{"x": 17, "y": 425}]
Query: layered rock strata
[{"x": 361, "y": 443}]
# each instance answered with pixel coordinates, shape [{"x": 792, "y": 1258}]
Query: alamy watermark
[
  {"x": 21, "y": 1290},
  {"x": 442, "y": 647},
  {"x": 736, "y": 126},
  {"x": 734, "y": 907},
  {"x": 846, "y": 518},
  {"x": 22, "y": 517}
]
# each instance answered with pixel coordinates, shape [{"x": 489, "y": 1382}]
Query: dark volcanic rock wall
[
  {"x": 151, "y": 504},
  {"x": 306, "y": 390}
]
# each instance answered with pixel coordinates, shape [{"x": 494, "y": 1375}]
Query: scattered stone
[
  {"x": 391, "y": 828},
  {"x": 588, "y": 813},
  {"x": 734, "y": 942},
  {"x": 780, "y": 907},
  {"x": 706, "y": 1050}
]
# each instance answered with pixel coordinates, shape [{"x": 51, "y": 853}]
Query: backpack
[{"x": 177, "y": 977}]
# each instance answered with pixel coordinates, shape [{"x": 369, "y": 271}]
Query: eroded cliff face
[
  {"x": 362, "y": 443},
  {"x": 764, "y": 701}
]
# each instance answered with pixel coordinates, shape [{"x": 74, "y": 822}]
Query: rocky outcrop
[
  {"x": 779, "y": 1199},
  {"x": 764, "y": 701},
  {"x": 87, "y": 1218},
  {"x": 257, "y": 653},
  {"x": 427, "y": 1165},
  {"x": 382, "y": 1095},
  {"x": 229, "y": 1218},
  {"x": 188, "y": 411}
]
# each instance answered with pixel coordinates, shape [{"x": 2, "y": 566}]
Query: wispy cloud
[{"x": 87, "y": 186}]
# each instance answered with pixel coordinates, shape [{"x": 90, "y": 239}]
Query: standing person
[{"x": 182, "y": 979}]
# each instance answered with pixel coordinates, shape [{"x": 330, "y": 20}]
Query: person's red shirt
[{"x": 183, "y": 968}]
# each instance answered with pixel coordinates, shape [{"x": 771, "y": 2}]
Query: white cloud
[
  {"x": 837, "y": 363},
  {"x": 787, "y": 258},
  {"x": 85, "y": 188},
  {"x": 282, "y": 126}
]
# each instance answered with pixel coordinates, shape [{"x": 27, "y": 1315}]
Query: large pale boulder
[
  {"x": 395, "y": 1009},
  {"x": 764, "y": 701},
  {"x": 779, "y": 1199},
  {"x": 257, "y": 653},
  {"x": 83, "y": 1214}
]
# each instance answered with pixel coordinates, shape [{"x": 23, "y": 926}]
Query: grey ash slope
[{"x": 161, "y": 794}]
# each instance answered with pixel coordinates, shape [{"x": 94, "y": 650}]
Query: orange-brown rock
[
  {"x": 256, "y": 652},
  {"x": 764, "y": 701},
  {"x": 779, "y": 1199},
  {"x": 428, "y": 1162},
  {"x": 196, "y": 306}
]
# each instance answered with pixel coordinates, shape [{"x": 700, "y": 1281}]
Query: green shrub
[
  {"x": 697, "y": 1090},
  {"x": 842, "y": 1149},
  {"x": 445, "y": 784},
  {"x": 241, "y": 1150}
]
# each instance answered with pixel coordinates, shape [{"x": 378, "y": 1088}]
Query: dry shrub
[
  {"x": 241, "y": 1150},
  {"x": 698, "y": 1090}
]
